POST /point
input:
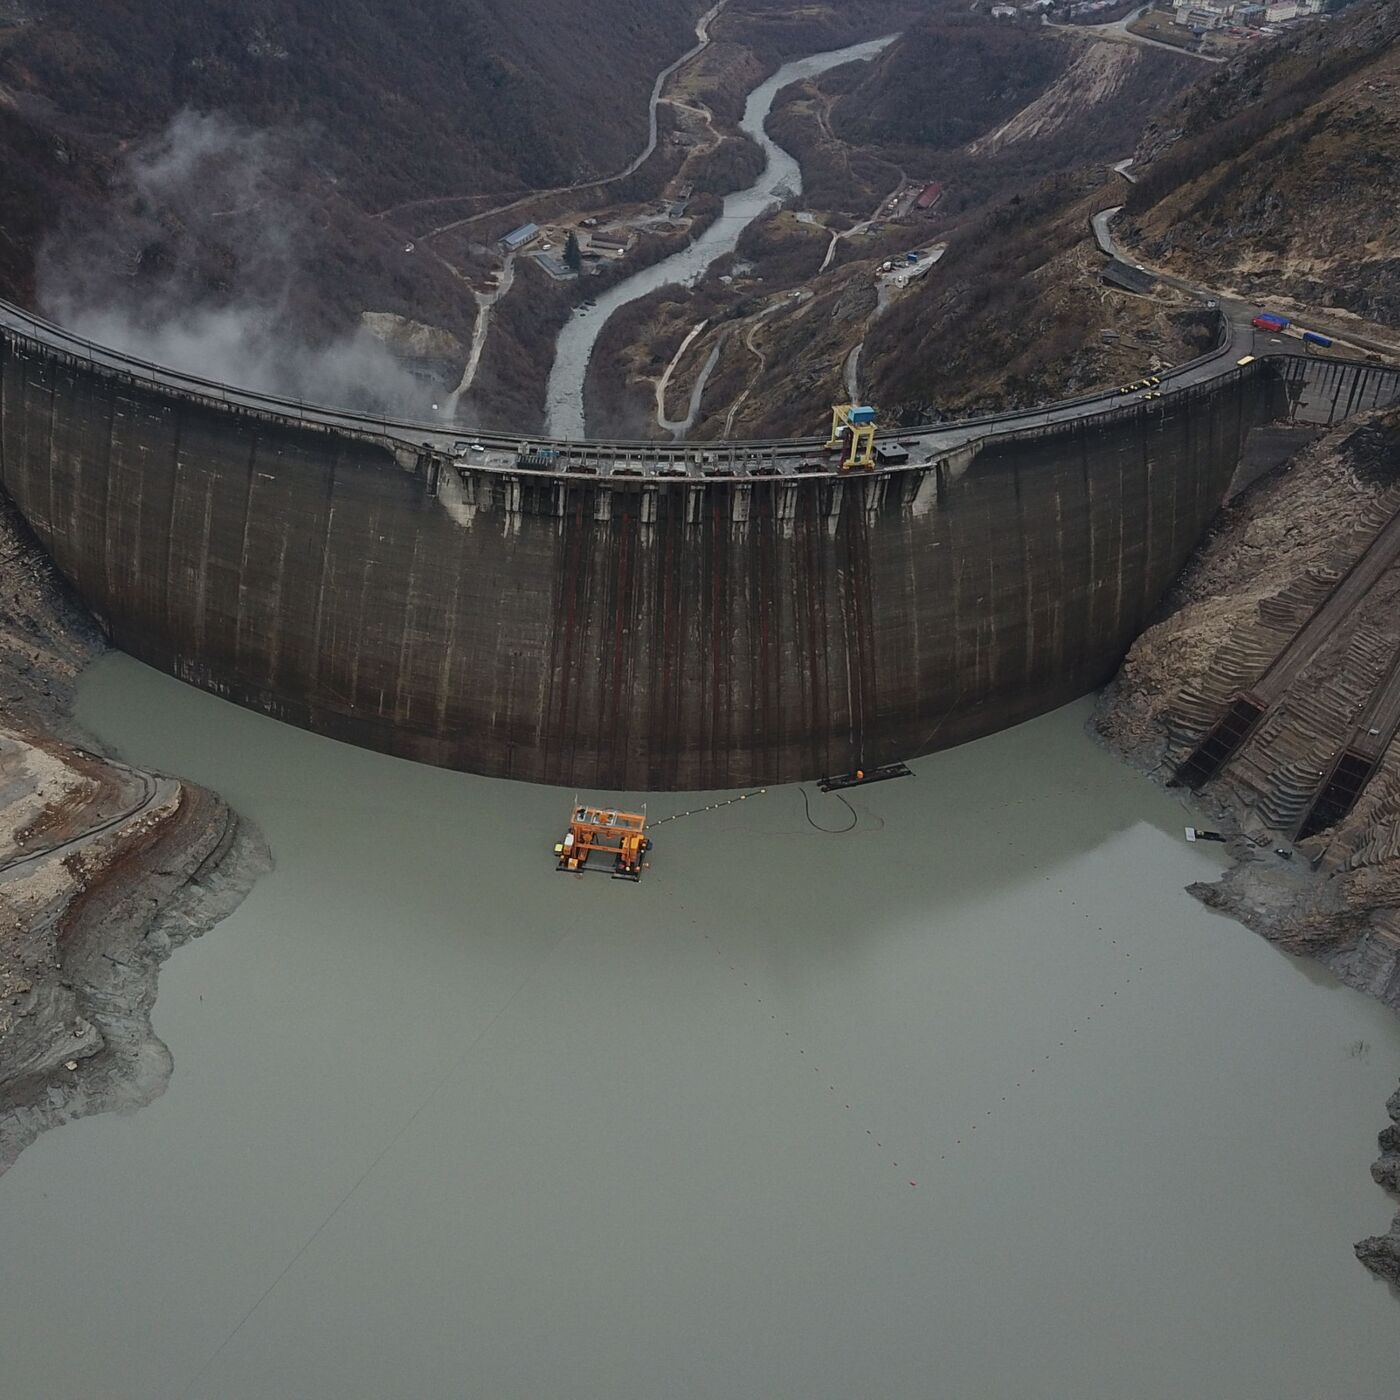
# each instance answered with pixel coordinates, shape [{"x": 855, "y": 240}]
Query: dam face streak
[{"x": 613, "y": 632}]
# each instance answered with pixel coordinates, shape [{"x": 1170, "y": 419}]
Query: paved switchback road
[
  {"x": 1119, "y": 33},
  {"x": 1239, "y": 312}
]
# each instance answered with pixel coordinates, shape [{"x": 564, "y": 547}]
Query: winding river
[{"x": 781, "y": 178}]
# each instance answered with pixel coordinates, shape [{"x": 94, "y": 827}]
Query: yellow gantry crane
[{"x": 853, "y": 431}]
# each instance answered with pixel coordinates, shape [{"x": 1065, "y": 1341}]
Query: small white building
[
  {"x": 519, "y": 238},
  {"x": 1003, "y": 12},
  {"x": 1203, "y": 14}
]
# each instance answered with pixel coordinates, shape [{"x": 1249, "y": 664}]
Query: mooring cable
[
  {"x": 758, "y": 792},
  {"x": 829, "y": 830},
  {"x": 712, "y": 807}
]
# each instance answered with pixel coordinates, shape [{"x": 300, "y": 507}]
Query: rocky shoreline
[
  {"x": 1276, "y": 550},
  {"x": 104, "y": 869},
  {"x": 1381, "y": 1253}
]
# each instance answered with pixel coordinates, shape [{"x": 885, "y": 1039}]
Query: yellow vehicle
[
  {"x": 1247, "y": 360},
  {"x": 619, "y": 834}
]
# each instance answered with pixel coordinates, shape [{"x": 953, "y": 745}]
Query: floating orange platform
[{"x": 596, "y": 829}]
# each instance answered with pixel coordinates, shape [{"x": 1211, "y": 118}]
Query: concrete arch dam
[{"x": 611, "y": 631}]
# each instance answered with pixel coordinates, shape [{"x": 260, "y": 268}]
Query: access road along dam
[{"x": 629, "y": 616}]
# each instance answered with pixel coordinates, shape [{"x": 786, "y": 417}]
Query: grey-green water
[{"x": 445, "y": 1123}]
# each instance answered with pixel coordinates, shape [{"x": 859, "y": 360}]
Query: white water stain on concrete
[{"x": 444, "y": 1122}]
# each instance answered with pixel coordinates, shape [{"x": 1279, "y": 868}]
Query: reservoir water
[
  {"x": 971, "y": 1101},
  {"x": 780, "y": 179}
]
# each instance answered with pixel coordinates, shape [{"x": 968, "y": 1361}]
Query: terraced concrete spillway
[{"x": 612, "y": 631}]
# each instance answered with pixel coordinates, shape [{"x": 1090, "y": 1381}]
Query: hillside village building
[
  {"x": 1213, "y": 14},
  {"x": 519, "y": 238}
]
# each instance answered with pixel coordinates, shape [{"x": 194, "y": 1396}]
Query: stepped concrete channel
[{"x": 628, "y": 618}]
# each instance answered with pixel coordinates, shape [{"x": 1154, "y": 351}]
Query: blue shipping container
[{"x": 1313, "y": 338}]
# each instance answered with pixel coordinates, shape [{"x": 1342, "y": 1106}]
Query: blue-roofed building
[{"x": 520, "y": 237}]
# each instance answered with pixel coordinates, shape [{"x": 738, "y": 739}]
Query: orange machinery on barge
[{"x": 619, "y": 834}]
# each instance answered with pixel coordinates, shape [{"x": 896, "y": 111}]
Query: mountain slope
[
  {"x": 421, "y": 96},
  {"x": 1277, "y": 175},
  {"x": 988, "y": 109},
  {"x": 1281, "y": 174},
  {"x": 203, "y": 184},
  {"x": 383, "y": 103},
  {"x": 1013, "y": 314}
]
